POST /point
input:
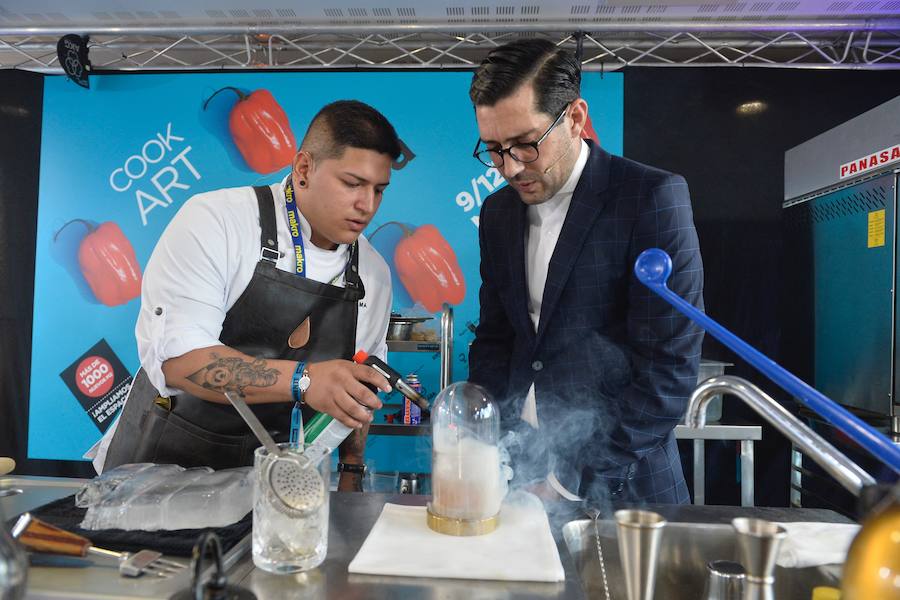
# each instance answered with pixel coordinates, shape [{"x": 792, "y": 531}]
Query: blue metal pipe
[{"x": 653, "y": 268}]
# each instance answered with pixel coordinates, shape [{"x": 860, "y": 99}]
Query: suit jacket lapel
[{"x": 584, "y": 209}]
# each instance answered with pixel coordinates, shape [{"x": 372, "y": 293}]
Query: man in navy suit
[{"x": 591, "y": 370}]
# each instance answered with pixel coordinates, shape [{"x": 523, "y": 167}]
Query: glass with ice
[{"x": 290, "y": 511}]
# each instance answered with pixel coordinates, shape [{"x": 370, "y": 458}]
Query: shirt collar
[
  {"x": 577, "y": 170},
  {"x": 537, "y": 212}
]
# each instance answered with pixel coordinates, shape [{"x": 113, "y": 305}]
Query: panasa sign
[{"x": 870, "y": 162}]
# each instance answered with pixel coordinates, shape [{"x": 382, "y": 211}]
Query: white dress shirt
[
  {"x": 204, "y": 261},
  {"x": 545, "y": 221},
  {"x": 212, "y": 245}
]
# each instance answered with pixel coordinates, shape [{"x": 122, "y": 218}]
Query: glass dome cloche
[{"x": 466, "y": 478}]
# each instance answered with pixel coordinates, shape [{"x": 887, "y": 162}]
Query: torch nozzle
[{"x": 393, "y": 377}]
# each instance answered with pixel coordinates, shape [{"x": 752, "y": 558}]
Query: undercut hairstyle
[
  {"x": 353, "y": 124},
  {"x": 553, "y": 72}
]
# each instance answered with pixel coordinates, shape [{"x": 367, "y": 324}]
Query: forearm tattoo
[{"x": 233, "y": 374}]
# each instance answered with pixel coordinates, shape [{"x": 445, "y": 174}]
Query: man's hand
[
  {"x": 544, "y": 491},
  {"x": 337, "y": 388}
]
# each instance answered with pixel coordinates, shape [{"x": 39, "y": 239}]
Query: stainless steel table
[{"x": 352, "y": 517}]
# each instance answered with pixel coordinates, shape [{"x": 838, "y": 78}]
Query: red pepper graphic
[
  {"x": 108, "y": 263},
  {"x": 428, "y": 268},
  {"x": 260, "y": 130}
]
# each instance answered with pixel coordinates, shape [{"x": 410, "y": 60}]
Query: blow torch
[
  {"x": 322, "y": 433},
  {"x": 393, "y": 377}
]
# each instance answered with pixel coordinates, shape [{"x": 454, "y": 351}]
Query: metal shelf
[
  {"x": 399, "y": 429},
  {"x": 412, "y": 346},
  {"x": 444, "y": 346}
]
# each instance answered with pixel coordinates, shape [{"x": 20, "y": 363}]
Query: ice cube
[
  {"x": 107, "y": 513},
  {"x": 148, "y": 509},
  {"x": 171, "y": 497},
  {"x": 98, "y": 487},
  {"x": 215, "y": 500}
]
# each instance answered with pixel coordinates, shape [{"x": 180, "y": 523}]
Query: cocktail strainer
[
  {"x": 299, "y": 491},
  {"x": 294, "y": 481}
]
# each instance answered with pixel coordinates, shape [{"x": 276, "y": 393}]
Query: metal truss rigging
[{"x": 868, "y": 44}]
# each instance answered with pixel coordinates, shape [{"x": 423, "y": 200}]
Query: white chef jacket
[
  {"x": 545, "y": 221},
  {"x": 204, "y": 261}
]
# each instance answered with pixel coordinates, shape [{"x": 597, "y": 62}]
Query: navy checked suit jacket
[{"x": 612, "y": 363}]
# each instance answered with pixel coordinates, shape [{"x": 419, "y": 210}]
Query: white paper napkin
[
  {"x": 520, "y": 549},
  {"x": 813, "y": 544}
]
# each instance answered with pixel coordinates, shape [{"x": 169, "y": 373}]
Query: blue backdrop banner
[{"x": 120, "y": 159}]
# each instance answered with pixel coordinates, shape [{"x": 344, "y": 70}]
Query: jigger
[
  {"x": 725, "y": 580},
  {"x": 639, "y": 533},
  {"x": 758, "y": 544}
]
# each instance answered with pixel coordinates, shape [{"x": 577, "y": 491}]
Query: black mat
[{"x": 180, "y": 542}]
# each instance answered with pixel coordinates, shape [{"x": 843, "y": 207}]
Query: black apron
[{"x": 190, "y": 431}]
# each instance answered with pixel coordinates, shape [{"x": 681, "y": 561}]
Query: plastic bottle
[{"x": 322, "y": 435}]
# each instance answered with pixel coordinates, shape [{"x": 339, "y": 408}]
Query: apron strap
[
  {"x": 268, "y": 239},
  {"x": 352, "y": 280}
]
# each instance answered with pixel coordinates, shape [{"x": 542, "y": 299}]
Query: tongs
[{"x": 40, "y": 536}]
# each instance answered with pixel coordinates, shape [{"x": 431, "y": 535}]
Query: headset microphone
[{"x": 556, "y": 162}]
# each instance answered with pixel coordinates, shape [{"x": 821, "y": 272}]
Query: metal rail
[
  {"x": 850, "y": 475},
  {"x": 446, "y": 346},
  {"x": 541, "y": 26}
]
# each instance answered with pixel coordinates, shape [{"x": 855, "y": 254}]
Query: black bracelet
[{"x": 351, "y": 468}]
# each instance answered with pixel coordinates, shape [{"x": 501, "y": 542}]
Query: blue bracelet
[{"x": 295, "y": 382}]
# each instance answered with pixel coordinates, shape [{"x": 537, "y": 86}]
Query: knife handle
[{"x": 41, "y": 536}]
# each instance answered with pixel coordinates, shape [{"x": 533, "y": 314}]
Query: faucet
[{"x": 835, "y": 463}]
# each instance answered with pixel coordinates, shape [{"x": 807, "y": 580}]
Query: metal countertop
[{"x": 352, "y": 517}]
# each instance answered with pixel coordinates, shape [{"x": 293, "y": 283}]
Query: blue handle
[
  {"x": 296, "y": 427},
  {"x": 653, "y": 268}
]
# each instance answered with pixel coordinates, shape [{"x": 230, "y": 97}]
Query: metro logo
[{"x": 870, "y": 162}]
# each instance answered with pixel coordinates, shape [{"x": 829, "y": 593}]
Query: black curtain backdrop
[
  {"x": 686, "y": 121},
  {"x": 680, "y": 119},
  {"x": 21, "y": 96}
]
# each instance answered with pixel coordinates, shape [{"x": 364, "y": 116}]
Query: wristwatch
[{"x": 351, "y": 468}]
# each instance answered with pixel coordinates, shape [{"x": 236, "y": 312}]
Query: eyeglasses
[{"x": 523, "y": 152}]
